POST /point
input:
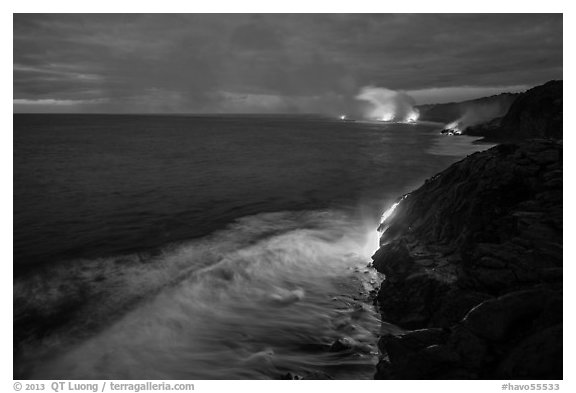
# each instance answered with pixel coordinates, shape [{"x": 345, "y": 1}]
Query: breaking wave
[{"x": 268, "y": 295}]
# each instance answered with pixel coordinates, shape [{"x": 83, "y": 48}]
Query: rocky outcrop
[
  {"x": 537, "y": 113},
  {"x": 473, "y": 266},
  {"x": 484, "y": 108}
]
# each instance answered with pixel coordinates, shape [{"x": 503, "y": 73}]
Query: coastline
[{"x": 473, "y": 265}]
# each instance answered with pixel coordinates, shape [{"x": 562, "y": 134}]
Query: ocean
[{"x": 206, "y": 247}]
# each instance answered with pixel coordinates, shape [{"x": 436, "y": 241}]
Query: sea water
[{"x": 206, "y": 247}]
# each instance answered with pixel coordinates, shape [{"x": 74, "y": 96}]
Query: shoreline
[{"x": 471, "y": 259}]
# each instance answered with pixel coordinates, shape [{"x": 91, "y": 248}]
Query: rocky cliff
[
  {"x": 537, "y": 113},
  {"x": 473, "y": 266},
  {"x": 484, "y": 109}
]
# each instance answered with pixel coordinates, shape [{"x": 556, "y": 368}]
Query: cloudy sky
[{"x": 273, "y": 63}]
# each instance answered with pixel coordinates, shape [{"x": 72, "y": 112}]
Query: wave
[{"x": 266, "y": 296}]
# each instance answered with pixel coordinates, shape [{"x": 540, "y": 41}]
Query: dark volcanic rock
[
  {"x": 510, "y": 337},
  {"x": 539, "y": 356},
  {"x": 496, "y": 319},
  {"x": 473, "y": 258},
  {"x": 424, "y": 299},
  {"x": 394, "y": 259},
  {"x": 402, "y": 346},
  {"x": 536, "y": 113},
  {"x": 487, "y": 108}
]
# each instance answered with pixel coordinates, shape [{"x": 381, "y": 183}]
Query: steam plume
[
  {"x": 388, "y": 105},
  {"x": 475, "y": 114}
]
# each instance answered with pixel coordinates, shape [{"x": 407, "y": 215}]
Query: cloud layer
[{"x": 272, "y": 63}]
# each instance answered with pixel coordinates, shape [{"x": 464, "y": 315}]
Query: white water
[
  {"x": 266, "y": 296},
  {"x": 272, "y": 302}
]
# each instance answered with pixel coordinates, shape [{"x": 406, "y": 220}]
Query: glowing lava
[
  {"x": 388, "y": 105},
  {"x": 412, "y": 116},
  {"x": 387, "y": 117},
  {"x": 386, "y": 215},
  {"x": 452, "y": 128},
  {"x": 374, "y": 243}
]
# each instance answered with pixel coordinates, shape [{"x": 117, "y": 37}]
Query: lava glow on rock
[
  {"x": 374, "y": 242},
  {"x": 452, "y": 128},
  {"x": 386, "y": 215}
]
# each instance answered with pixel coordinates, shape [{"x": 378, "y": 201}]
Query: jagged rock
[
  {"x": 423, "y": 300},
  {"x": 401, "y": 346},
  {"x": 394, "y": 260},
  {"x": 492, "y": 279},
  {"x": 477, "y": 250},
  {"x": 410, "y": 303},
  {"x": 537, "y": 357},
  {"x": 551, "y": 275},
  {"x": 537, "y": 113},
  {"x": 432, "y": 362},
  {"x": 495, "y": 319},
  {"x": 454, "y": 306},
  {"x": 495, "y": 340},
  {"x": 472, "y": 349},
  {"x": 449, "y": 112}
]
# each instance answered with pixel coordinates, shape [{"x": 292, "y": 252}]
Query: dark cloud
[
  {"x": 256, "y": 37},
  {"x": 208, "y": 63}
]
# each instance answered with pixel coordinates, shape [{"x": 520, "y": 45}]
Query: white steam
[
  {"x": 388, "y": 105},
  {"x": 477, "y": 114}
]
